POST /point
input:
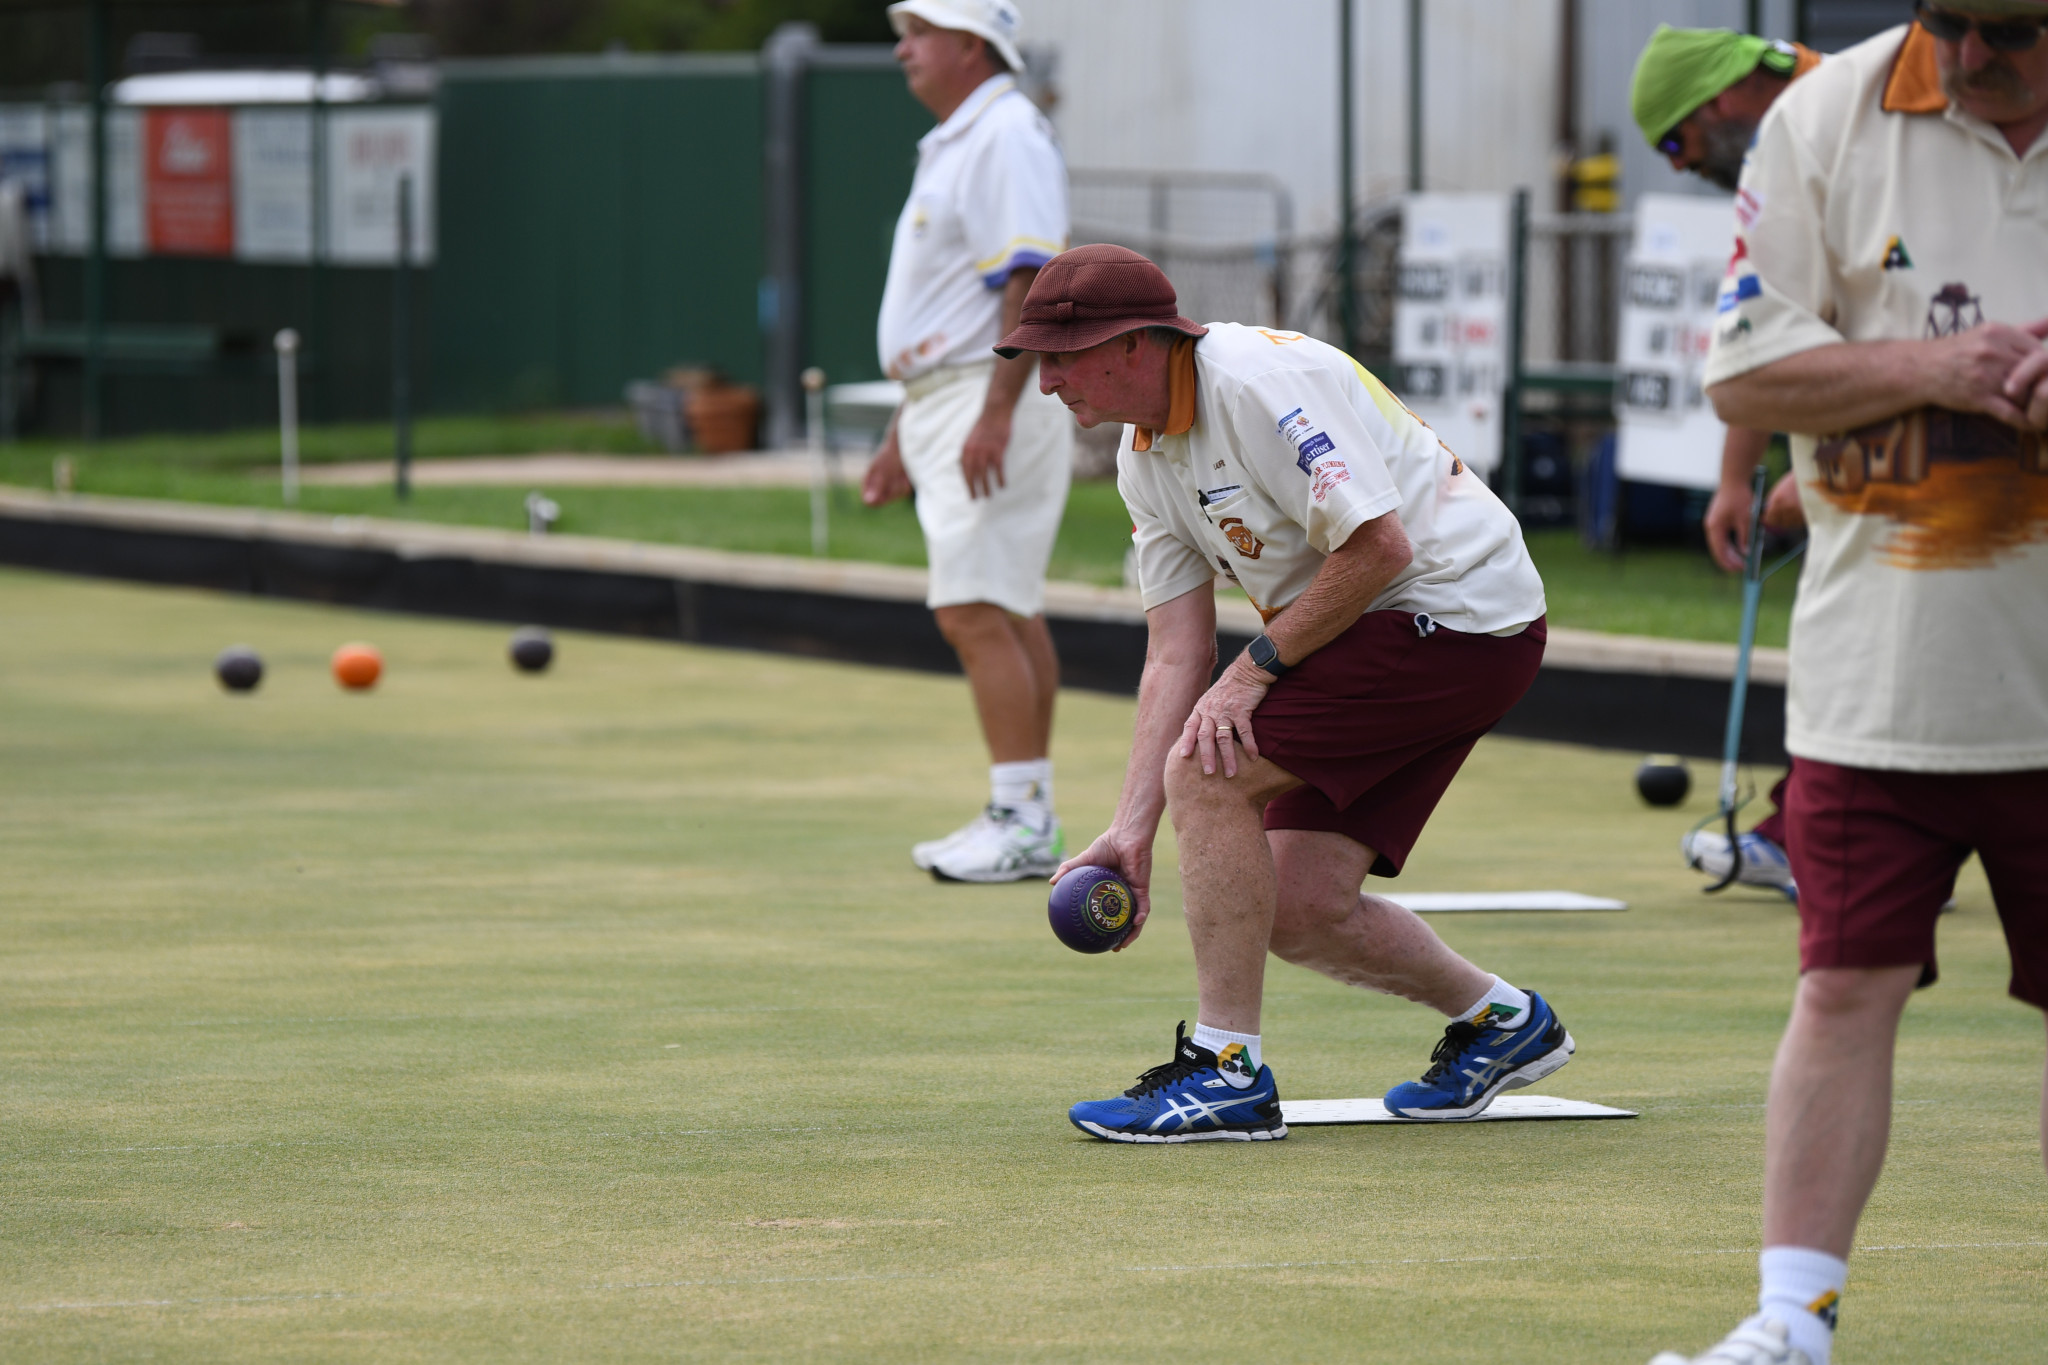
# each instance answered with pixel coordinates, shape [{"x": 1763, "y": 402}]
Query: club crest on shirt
[
  {"x": 1241, "y": 538},
  {"x": 1310, "y": 443}
]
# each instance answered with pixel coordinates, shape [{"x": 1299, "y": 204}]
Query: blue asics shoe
[
  {"x": 1475, "y": 1062},
  {"x": 1188, "y": 1100}
]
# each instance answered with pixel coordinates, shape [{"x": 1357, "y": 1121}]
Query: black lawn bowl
[
  {"x": 239, "y": 668},
  {"x": 1663, "y": 780},
  {"x": 532, "y": 649}
]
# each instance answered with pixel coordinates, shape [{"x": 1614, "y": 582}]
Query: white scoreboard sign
[
  {"x": 1668, "y": 433},
  {"x": 1450, "y": 319}
]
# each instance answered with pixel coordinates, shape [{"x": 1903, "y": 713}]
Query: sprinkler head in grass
[
  {"x": 357, "y": 667},
  {"x": 239, "y": 668},
  {"x": 1663, "y": 780},
  {"x": 532, "y": 649}
]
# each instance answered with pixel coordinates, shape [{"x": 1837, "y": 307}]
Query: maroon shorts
[
  {"x": 1377, "y": 723},
  {"x": 1875, "y": 853}
]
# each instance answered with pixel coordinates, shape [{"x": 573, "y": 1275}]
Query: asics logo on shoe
[
  {"x": 1189, "y": 1110},
  {"x": 1491, "y": 1067}
]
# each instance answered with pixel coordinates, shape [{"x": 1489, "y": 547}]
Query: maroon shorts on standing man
[
  {"x": 1377, "y": 723},
  {"x": 1875, "y": 853}
]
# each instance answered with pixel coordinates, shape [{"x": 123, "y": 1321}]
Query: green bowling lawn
[{"x": 599, "y": 1016}]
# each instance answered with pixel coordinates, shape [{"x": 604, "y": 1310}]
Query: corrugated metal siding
[
  {"x": 598, "y": 223},
  {"x": 861, "y": 129},
  {"x": 1213, "y": 85}
]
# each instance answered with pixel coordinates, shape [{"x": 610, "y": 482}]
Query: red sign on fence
[{"x": 189, "y": 181}]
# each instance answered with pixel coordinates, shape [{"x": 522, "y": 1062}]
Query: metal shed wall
[{"x": 601, "y": 220}]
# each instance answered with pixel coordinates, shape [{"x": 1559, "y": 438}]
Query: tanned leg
[
  {"x": 1323, "y": 922},
  {"x": 1036, "y": 641},
  {"x": 1013, "y": 702},
  {"x": 1228, "y": 890},
  {"x": 1829, "y": 1115}
]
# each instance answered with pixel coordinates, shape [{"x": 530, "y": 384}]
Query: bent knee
[
  {"x": 970, "y": 622},
  {"x": 1849, "y": 991}
]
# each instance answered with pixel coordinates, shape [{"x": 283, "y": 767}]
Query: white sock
[
  {"x": 1802, "y": 1288},
  {"x": 1501, "y": 1007},
  {"x": 1025, "y": 787},
  {"x": 1237, "y": 1054}
]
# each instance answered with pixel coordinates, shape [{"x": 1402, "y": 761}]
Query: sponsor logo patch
[
  {"x": 1749, "y": 205},
  {"x": 1896, "y": 257},
  {"x": 1310, "y": 443},
  {"x": 1327, "y": 476},
  {"x": 1746, "y": 287}
]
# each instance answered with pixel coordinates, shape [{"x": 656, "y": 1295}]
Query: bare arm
[
  {"x": 886, "y": 480},
  {"x": 981, "y": 459},
  {"x": 1356, "y": 572},
  {"x": 1852, "y": 383},
  {"x": 1180, "y": 654},
  {"x": 1727, "y": 520}
]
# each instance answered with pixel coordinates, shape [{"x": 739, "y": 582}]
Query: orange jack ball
[{"x": 357, "y": 667}]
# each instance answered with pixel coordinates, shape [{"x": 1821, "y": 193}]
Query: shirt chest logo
[
  {"x": 1896, "y": 257},
  {"x": 1241, "y": 538}
]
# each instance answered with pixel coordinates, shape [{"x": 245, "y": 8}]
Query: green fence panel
[
  {"x": 600, "y": 222},
  {"x": 343, "y": 312},
  {"x": 861, "y": 128}
]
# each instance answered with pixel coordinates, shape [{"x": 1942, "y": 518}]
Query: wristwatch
[{"x": 1265, "y": 655}]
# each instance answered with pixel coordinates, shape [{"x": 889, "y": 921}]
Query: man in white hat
[
  {"x": 988, "y": 456},
  {"x": 1886, "y": 304}
]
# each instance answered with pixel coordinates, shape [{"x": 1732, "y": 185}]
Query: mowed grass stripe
[{"x": 399, "y": 1026}]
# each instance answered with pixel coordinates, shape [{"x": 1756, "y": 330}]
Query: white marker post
[
  {"x": 814, "y": 425},
  {"x": 287, "y": 343}
]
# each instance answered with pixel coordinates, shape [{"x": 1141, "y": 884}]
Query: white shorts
[{"x": 991, "y": 549}]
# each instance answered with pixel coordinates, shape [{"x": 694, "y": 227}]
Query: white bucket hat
[{"x": 995, "y": 20}]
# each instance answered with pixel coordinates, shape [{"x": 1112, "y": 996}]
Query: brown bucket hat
[{"x": 1084, "y": 297}]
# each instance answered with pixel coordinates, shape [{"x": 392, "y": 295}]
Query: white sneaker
[
  {"x": 926, "y": 853},
  {"x": 1759, "y": 1341},
  {"x": 1005, "y": 849},
  {"x": 1763, "y": 862}
]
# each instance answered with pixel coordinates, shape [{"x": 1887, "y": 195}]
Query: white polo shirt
[
  {"x": 1292, "y": 447},
  {"x": 1870, "y": 210},
  {"x": 989, "y": 197}
]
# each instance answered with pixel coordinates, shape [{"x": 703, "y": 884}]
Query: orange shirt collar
[
  {"x": 1914, "y": 86},
  {"x": 1180, "y": 395}
]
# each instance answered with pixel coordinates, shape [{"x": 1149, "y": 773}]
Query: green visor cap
[{"x": 1683, "y": 68}]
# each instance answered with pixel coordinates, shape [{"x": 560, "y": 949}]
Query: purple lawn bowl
[{"x": 1092, "y": 909}]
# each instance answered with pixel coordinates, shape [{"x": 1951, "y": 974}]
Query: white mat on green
[
  {"x": 1312, "y": 1113},
  {"x": 1445, "y": 902}
]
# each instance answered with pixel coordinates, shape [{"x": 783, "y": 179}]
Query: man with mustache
[
  {"x": 1698, "y": 95},
  {"x": 1403, "y": 618},
  {"x": 1886, "y": 304}
]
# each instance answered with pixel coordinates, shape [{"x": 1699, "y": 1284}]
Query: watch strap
[{"x": 1265, "y": 656}]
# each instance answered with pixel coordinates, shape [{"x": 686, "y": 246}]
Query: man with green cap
[{"x": 1698, "y": 95}]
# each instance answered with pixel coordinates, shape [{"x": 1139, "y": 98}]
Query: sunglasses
[
  {"x": 2004, "y": 35},
  {"x": 1673, "y": 142}
]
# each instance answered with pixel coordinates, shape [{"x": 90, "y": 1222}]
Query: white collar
[{"x": 971, "y": 108}]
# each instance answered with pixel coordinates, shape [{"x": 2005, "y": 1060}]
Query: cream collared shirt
[
  {"x": 1293, "y": 445},
  {"x": 989, "y": 198},
  {"x": 1871, "y": 210}
]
